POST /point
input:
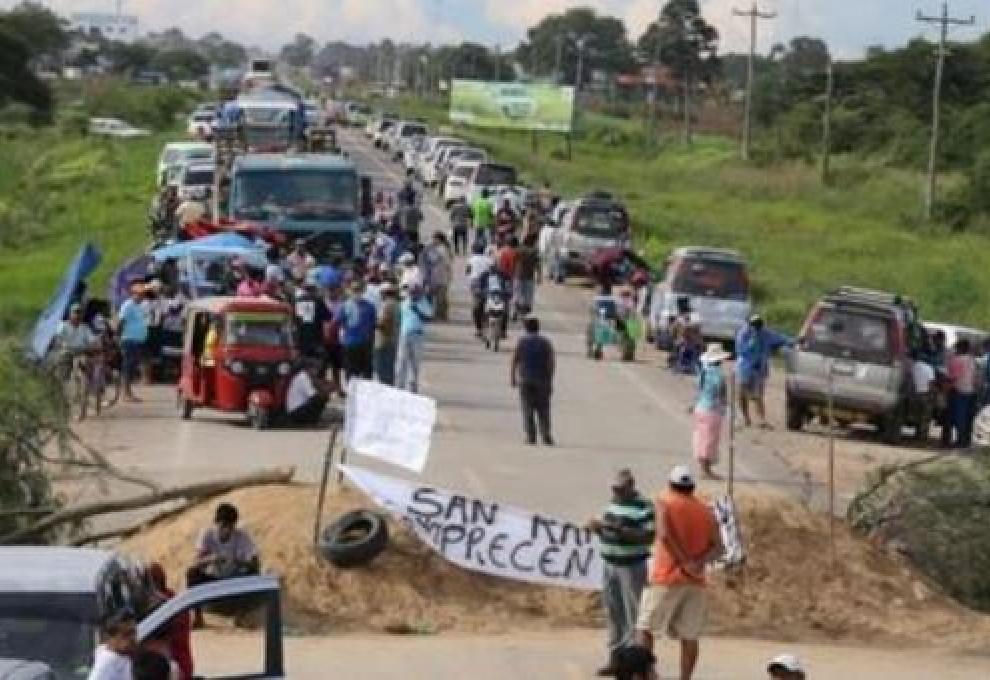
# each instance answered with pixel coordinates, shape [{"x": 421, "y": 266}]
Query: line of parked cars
[{"x": 854, "y": 349}]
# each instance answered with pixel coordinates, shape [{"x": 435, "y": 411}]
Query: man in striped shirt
[{"x": 625, "y": 531}]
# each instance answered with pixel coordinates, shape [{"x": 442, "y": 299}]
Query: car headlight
[
  {"x": 236, "y": 367},
  {"x": 284, "y": 368}
]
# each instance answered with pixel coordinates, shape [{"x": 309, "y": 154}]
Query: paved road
[
  {"x": 606, "y": 414},
  {"x": 567, "y": 656}
]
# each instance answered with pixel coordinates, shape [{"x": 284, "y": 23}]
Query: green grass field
[
  {"x": 800, "y": 237},
  {"x": 56, "y": 192}
]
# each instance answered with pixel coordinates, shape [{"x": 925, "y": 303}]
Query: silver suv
[
  {"x": 856, "y": 346},
  {"x": 715, "y": 285}
]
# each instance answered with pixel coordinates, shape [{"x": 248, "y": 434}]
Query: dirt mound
[
  {"x": 407, "y": 588},
  {"x": 787, "y": 591}
]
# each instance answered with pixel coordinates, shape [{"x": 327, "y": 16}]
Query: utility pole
[
  {"x": 558, "y": 74},
  {"x": 827, "y": 122},
  {"x": 654, "y": 100},
  {"x": 945, "y": 20},
  {"x": 753, "y": 15}
]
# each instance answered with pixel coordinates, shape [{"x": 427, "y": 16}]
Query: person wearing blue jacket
[{"x": 755, "y": 343}]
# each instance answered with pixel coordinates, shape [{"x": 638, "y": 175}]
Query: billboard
[{"x": 518, "y": 106}]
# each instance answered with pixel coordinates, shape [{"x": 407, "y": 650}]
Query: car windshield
[
  {"x": 850, "y": 334},
  {"x": 269, "y": 330},
  {"x": 203, "y": 117},
  {"x": 466, "y": 155},
  {"x": 171, "y": 156},
  {"x": 463, "y": 171},
  {"x": 300, "y": 194},
  {"x": 198, "y": 178},
  {"x": 413, "y": 130},
  {"x": 601, "y": 221},
  {"x": 199, "y": 154},
  {"x": 496, "y": 174},
  {"x": 65, "y": 645},
  {"x": 712, "y": 278}
]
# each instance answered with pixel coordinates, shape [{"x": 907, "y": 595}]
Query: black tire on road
[
  {"x": 794, "y": 413},
  {"x": 354, "y": 539}
]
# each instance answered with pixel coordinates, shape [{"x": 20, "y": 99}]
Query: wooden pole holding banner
[
  {"x": 731, "y": 477},
  {"x": 831, "y": 464},
  {"x": 324, "y": 480}
]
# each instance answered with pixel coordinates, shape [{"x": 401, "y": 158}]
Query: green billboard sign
[{"x": 518, "y": 106}]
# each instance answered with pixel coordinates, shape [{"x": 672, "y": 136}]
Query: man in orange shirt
[{"x": 687, "y": 538}]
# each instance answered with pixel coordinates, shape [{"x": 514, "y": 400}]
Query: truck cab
[{"x": 318, "y": 197}]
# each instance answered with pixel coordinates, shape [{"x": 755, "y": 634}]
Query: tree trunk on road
[{"x": 188, "y": 492}]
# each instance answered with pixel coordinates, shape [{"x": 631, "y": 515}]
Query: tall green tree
[
  {"x": 606, "y": 45},
  {"x": 299, "y": 52},
  {"x": 688, "y": 43},
  {"x": 43, "y": 32},
  {"x": 18, "y": 83}
]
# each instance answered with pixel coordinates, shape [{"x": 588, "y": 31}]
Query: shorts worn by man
[{"x": 675, "y": 602}]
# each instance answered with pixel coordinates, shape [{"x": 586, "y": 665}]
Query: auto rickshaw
[
  {"x": 610, "y": 323},
  {"x": 237, "y": 357}
]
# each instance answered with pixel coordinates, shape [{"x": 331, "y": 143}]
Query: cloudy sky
[{"x": 848, "y": 25}]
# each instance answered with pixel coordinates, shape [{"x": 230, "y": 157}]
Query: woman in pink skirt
[{"x": 709, "y": 409}]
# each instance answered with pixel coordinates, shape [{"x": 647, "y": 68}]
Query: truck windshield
[
  {"x": 295, "y": 194},
  {"x": 198, "y": 178},
  {"x": 65, "y": 646},
  {"x": 489, "y": 175},
  {"x": 703, "y": 277}
]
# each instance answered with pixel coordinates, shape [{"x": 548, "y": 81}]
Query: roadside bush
[
  {"x": 934, "y": 512},
  {"x": 155, "y": 107}
]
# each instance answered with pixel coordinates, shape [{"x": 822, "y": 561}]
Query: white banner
[
  {"x": 734, "y": 554},
  {"x": 487, "y": 537},
  {"x": 389, "y": 424}
]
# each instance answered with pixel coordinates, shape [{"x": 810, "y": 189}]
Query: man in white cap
[
  {"x": 785, "y": 667},
  {"x": 687, "y": 539}
]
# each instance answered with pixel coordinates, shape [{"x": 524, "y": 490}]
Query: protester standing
[
  {"x": 460, "y": 220},
  {"x": 387, "y": 334},
  {"x": 311, "y": 313},
  {"x": 754, "y": 345},
  {"x": 482, "y": 217},
  {"x": 133, "y": 331},
  {"x": 438, "y": 273},
  {"x": 687, "y": 539},
  {"x": 709, "y": 409},
  {"x": 961, "y": 369},
  {"x": 625, "y": 531},
  {"x": 415, "y": 312},
  {"x": 299, "y": 262},
  {"x": 527, "y": 273},
  {"x": 357, "y": 320},
  {"x": 532, "y": 371}
]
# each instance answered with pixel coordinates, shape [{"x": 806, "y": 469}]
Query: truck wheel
[
  {"x": 259, "y": 417},
  {"x": 891, "y": 426},
  {"x": 794, "y": 412},
  {"x": 354, "y": 539}
]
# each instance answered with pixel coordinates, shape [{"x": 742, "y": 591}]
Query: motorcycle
[{"x": 495, "y": 314}]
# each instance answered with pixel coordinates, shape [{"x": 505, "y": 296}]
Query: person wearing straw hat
[
  {"x": 785, "y": 667},
  {"x": 709, "y": 409}
]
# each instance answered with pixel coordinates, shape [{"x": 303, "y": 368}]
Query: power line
[
  {"x": 754, "y": 14},
  {"x": 945, "y": 21}
]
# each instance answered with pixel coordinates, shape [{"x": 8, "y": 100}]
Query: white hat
[
  {"x": 714, "y": 353},
  {"x": 681, "y": 475},
  {"x": 786, "y": 662}
]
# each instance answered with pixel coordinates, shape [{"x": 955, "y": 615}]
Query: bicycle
[{"x": 93, "y": 376}]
